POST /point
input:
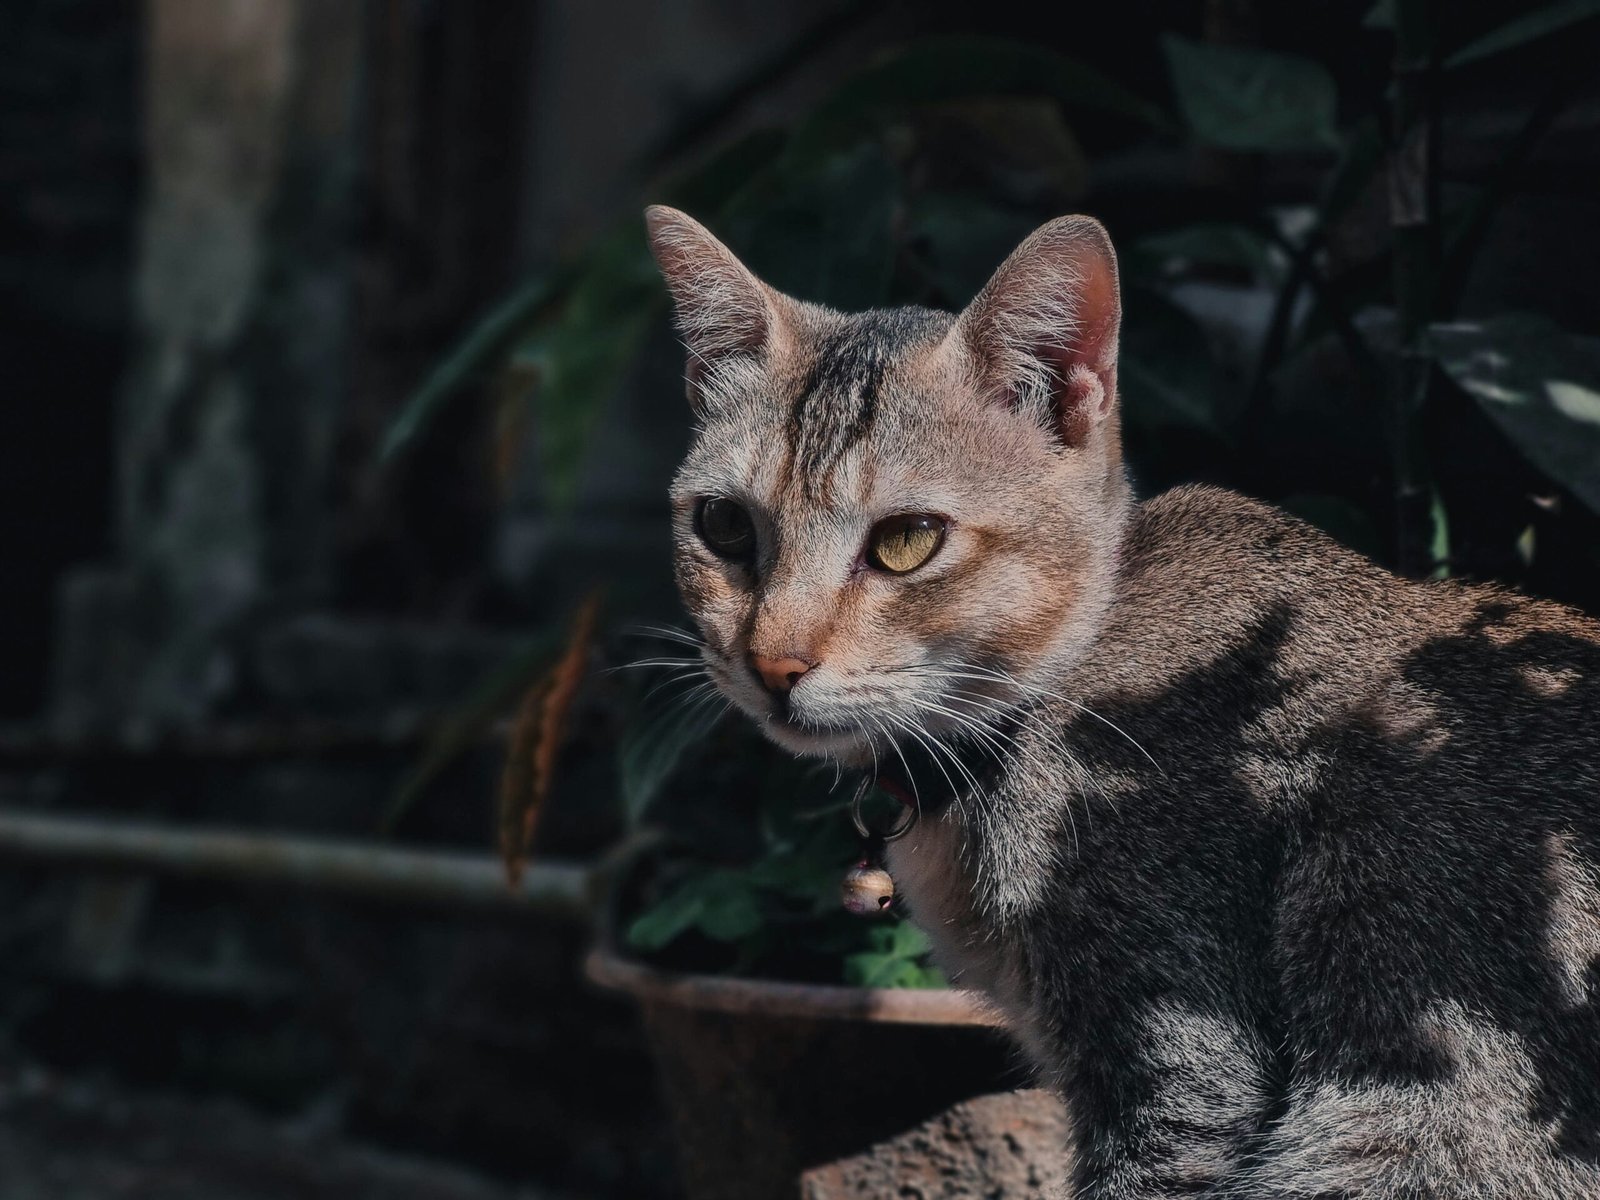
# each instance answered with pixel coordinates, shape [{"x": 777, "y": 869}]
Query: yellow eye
[{"x": 903, "y": 543}]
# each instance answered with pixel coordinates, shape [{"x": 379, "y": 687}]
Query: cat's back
[
  {"x": 1402, "y": 779},
  {"x": 1209, "y": 576},
  {"x": 1270, "y": 670}
]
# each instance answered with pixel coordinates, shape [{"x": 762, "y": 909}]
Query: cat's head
[{"x": 900, "y": 522}]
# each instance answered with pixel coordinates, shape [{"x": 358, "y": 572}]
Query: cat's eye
[
  {"x": 725, "y": 526},
  {"x": 904, "y": 542}
]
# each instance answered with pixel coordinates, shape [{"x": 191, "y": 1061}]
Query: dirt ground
[{"x": 63, "y": 1139}]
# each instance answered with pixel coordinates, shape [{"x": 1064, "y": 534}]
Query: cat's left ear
[
  {"x": 1043, "y": 332},
  {"x": 723, "y": 311}
]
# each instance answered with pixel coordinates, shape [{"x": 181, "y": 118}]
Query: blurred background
[{"x": 338, "y": 406}]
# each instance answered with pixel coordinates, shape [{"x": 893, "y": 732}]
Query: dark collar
[{"x": 917, "y": 779}]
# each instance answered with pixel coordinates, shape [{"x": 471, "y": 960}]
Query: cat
[{"x": 1285, "y": 869}]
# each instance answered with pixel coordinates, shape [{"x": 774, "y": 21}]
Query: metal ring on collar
[{"x": 895, "y": 832}]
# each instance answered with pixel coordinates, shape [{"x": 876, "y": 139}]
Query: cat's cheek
[
  {"x": 714, "y": 606},
  {"x": 934, "y": 606},
  {"x": 694, "y": 587}
]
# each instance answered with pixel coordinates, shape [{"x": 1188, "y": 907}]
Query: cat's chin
[{"x": 848, "y": 746}]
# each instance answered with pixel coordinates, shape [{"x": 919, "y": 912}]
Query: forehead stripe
[{"x": 837, "y": 402}]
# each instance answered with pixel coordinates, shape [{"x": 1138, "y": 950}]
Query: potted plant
[{"x": 788, "y": 1032}]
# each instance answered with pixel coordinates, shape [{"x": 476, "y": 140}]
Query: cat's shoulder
[
  {"x": 1209, "y": 515},
  {"x": 1207, "y": 529},
  {"x": 1206, "y": 533}
]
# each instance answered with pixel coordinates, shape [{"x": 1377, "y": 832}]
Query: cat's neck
[{"x": 1202, "y": 571}]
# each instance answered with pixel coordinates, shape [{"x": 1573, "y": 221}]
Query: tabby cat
[{"x": 1285, "y": 870}]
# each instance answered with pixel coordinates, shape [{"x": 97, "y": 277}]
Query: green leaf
[
  {"x": 1166, "y": 374},
  {"x": 652, "y": 746},
  {"x": 1379, "y": 16},
  {"x": 731, "y": 913},
  {"x": 808, "y": 876},
  {"x": 490, "y": 698},
  {"x": 962, "y": 241},
  {"x": 1539, "y": 384},
  {"x": 1245, "y": 99},
  {"x": 1466, "y": 227},
  {"x": 1360, "y": 158},
  {"x": 953, "y": 68},
  {"x": 897, "y": 959},
  {"x": 666, "y": 921},
  {"x": 1211, "y": 244},
  {"x": 1439, "y": 544},
  {"x": 710, "y": 184},
  {"x": 581, "y": 356},
  {"x": 614, "y": 269},
  {"x": 1524, "y": 29},
  {"x": 823, "y": 230},
  {"x": 1020, "y": 146},
  {"x": 720, "y": 903},
  {"x": 874, "y": 970},
  {"x": 477, "y": 352}
]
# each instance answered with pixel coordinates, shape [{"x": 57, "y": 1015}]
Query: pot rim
[{"x": 778, "y": 998}]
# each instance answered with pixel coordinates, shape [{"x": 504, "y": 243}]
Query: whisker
[
  {"x": 894, "y": 745},
  {"x": 872, "y": 744},
  {"x": 1051, "y": 736},
  {"x": 640, "y": 663},
  {"x": 679, "y": 677},
  {"x": 990, "y": 740},
  {"x": 982, "y": 734},
  {"x": 665, "y": 633},
  {"x": 971, "y": 671},
  {"x": 674, "y": 724},
  {"x": 931, "y": 746},
  {"x": 693, "y": 704}
]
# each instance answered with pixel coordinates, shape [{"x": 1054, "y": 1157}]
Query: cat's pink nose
[{"x": 779, "y": 674}]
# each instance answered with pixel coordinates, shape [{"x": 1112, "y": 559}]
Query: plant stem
[
  {"x": 1467, "y": 235},
  {"x": 1357, "y": 167},
  {"x": 1413, "y": 216},
  {"x": 1304, "y": 273}
]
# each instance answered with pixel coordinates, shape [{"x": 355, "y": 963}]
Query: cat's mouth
[
  {"x": 803, "y": 735},
  {"x": 809, "y": 727}
]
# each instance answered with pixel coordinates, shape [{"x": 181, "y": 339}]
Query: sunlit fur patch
[
  {"x": 1572, "y": 929},
  {"x": 1210, "y": 1087},
  {"x": 1470, "y": 1133},
  {"x": 1405, "y": 715},
  {"x": 1548, "y": 682}
]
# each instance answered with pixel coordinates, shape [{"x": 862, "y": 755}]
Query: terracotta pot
[{"x": 766, "y": 1079}]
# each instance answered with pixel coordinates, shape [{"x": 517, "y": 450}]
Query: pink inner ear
[
  {"x": 1099, "y": 311},
  {"x": 1053, "y": 303},
  {"x": 1081, "y": 402},
  {"x": 1088, "y": 365}
]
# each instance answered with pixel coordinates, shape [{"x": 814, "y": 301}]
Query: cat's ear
[
  {"x": 723, "y": 311},
  {"x": 1043, "y": 332}
]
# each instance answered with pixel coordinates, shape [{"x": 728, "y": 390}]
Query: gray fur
[{"x": 1315, "y": 950}]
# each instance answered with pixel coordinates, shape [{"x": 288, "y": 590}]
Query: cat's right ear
[
  {"x": 1043, "y": 332},
  {"x": 723, "y": 311}
]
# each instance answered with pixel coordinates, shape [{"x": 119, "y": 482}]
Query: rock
[{"x": 999, "y": 1147}]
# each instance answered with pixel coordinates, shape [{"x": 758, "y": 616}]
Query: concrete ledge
[{"x": 1008, "y": 1146}]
